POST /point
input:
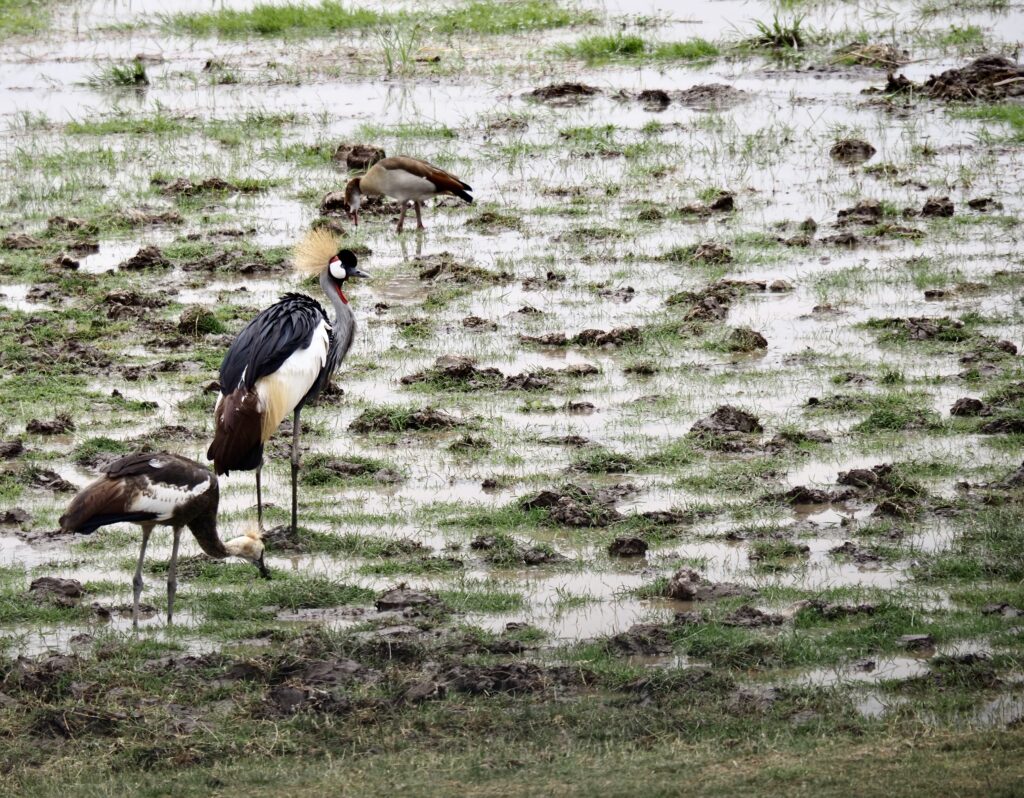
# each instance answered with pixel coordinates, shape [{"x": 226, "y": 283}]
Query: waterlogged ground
[{"x": 683, "y": 461}]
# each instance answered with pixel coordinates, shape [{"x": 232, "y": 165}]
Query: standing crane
[
  {"x": 281, "y": 361},
  {"x": 406, "y": 180},
  {"x": 149, "y": 489}
]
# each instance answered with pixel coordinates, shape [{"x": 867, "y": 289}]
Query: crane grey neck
[{"x": 344, "y": 324}]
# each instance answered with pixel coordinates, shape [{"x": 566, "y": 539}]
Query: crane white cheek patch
[{"x": 337, "y": 270}]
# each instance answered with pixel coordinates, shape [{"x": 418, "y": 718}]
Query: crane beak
[
  {"x": 358, "y": 273},
  {"x": 262, "y": 566}
]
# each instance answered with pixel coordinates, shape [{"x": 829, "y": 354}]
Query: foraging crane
[
  {"x": 280, "y": 362},
  {"x": 406, "y": 180},
  {"x": 149, "y": 488}
]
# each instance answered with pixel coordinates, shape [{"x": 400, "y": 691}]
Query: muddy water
[{"x": 771, "y": 149}]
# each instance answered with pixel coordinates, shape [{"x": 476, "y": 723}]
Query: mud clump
[
  {"x": 967, "y": 406},
  {"x": 456, "y": 371},
  {"x": 726, "y": 420},
  {"x": 751, "y": 617},
  {"x": 707, "y": 252},
  {"x": 358, "y": 156},
  {"x": 384, "y": 421},
  {"x": 183, "y": 186},
  {"x": 577, "y": 506},
  {"x": 880, "y": 56},
  {"x": 130, "y": 304},
  {"x": 197, "y": 321},
  {"x": 617, "y": 336},
  {"x": 59, "y": 425},
  {"x": 642, "y": 639},
  {"x": 868, "y": 211},
  {"x": 146, "y": 258},
  {"x": 654, "y": 99},
  {"x": 20, "y": 241},
  {"x": 56, "y": 591},
  {"x": 687, "y": 585},
  {"x": 443, "y": 267},
  {"x": 709, "y": 96},
  {"x": 852, "y": 151},
  {"x": 517, "y": 677},
  {"x": 567, "y": 93},
  {"x": 938, "y": 207},
  {"x": 402, "y": 597},
  {"x": 743, "y": 339},
  {"x": 627, "y": 546},
  {"x": 991, "y": 77}
]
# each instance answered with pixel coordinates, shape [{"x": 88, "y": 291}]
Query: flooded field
[{"x": 685, "y": 460}]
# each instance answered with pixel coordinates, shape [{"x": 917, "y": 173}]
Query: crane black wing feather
[
  {"x": 270, "y": 339},
  {"x": 161, "y": 467}
]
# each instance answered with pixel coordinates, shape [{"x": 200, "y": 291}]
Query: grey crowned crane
[
  {"x": 281, "y": 361},
  {"x": 148, "y": 489},
  {"x": 406, "y": 180}
]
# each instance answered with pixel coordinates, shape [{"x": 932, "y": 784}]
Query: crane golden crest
[{"x": 312, "y": 254}]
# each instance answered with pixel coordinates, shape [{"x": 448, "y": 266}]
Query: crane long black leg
[
  {"x": 147, "y": 530},
  {"x": 172, "y": 575},
  {"x": 259, "y": 497},
  {"x": 295, "y": 473}
]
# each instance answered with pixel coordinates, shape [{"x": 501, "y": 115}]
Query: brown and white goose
[
  {"x": 150, "y": 488},
  {"x": 408, "y": 180}
]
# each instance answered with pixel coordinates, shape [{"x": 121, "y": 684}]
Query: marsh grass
[
  {"x": 329, "y": 16},
  {"x": 130, "y": 75},
  {"x": 21, "y": 17},
  {"x": 620, "y": 46},
  {"x": 1004, "y": 113}
]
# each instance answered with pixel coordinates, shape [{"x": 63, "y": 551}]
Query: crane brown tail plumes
[
  {"x": 103, "y": 502},
  {"x": 237, "y": 441}
]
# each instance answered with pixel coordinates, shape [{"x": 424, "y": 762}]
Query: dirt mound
[
  {"x": 617, "y": 336},
  {"x": 991, "y": 77},
  {"x": 398, "y": 421},
  {"x": 59, "y": 425},
  {"x": 687, "y": 585},
  {"x": 627, "y": 546},
  {"x": 938, "y": 206},
  {"x": 54, "y": 590},
  {"x": 751, "y": 617},
  {"x": 725, "y": 420},
  {"x": 20, "y": 241},
  {"x": 868, "y": 211},
  {"x": 564, "y": 93},
  {"x": 643, "y": 639},
  {"x": 578, "y": 506},
  {"x": 146, "y": 258},
  {"x": 402, "y": 597},
  {"x": 443, "y": 267},
  {"x": 358, "y": 156},
  {"x": 743, "y": 339},
  {"x": 709, "y": 96},
  {"x": 457, "y": 371},
  {"x": 183, "y": 186},
  {"x": 852, "y": 151},
  {"x": 967, "y": 406}
]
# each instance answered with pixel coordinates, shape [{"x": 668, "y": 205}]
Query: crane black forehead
[{"x": 347, "y": 258}]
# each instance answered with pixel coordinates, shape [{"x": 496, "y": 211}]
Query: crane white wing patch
[
  {"x": 162, "y": 499},
  {"x": 281, "y": 391}
]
